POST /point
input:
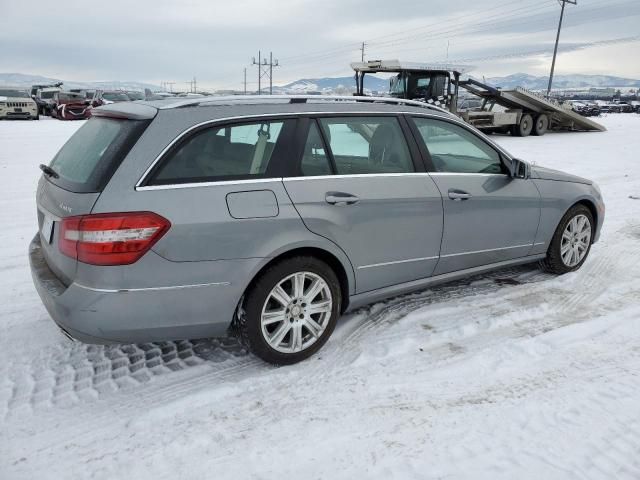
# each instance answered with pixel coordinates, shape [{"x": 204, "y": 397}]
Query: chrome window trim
[
  {"x": 443, "y": 174},
  {"x": 354, "y": 175},
  {"x": 249, "y": 118},
  {"x": 486, "y": 251},
  {"x": 151, "y": 289},
  {"x": 177, "y": 186},
  {"x": 384, "y": 264}
]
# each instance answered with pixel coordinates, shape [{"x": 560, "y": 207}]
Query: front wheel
[
  {"x": 571, "y": 242},
  {"x": 290, "y": 311}
]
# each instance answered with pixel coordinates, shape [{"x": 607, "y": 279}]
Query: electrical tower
[
  {"x": 555, "y": 50},
  {"x": 265, "y": 70}
]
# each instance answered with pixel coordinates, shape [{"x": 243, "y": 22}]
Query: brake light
[{"x": 111, "y": 238}]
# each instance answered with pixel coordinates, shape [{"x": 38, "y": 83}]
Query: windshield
[
  {"x": 13, "y": 93},
  {"x": 47, "y": 94},
  {"x": 397, "y": 86},
  {"x": 92, "y": 154},
  {"x": 68, "y": 97},
  {"x": 115, "y": 96}
]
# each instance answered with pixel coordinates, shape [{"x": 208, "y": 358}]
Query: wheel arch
[
  {"x": 343, "y": 272},
  {"x": 592, "y": 208}
]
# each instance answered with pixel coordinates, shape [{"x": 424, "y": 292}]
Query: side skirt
[{"x": 365, "y": 298}]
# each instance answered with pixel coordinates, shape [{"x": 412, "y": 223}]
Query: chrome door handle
[
  {"x": 459, "y": 195},
  {"x": 340, "y": 198}
]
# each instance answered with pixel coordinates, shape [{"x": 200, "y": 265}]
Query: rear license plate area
[{"x": 47, "y": 228}]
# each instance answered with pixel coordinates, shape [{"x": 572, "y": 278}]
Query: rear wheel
[
  {"x": 524, "y": 128},
  {"x": 290, "y": 311},
  {"x": 541, "y": 125},
  {"x": 571, "y": 242}
]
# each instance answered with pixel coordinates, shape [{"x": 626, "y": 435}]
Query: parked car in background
[
  {"x": 273, "y": 216},
  {"x": 134, "y": 96},
  {"x": 35, "y": 88},
  {"x": 16, "y": 103},
  {"x": 88, "y": 94},
  {"x": 113, "y": 96},
  {"x": 44, "y": 99},
  {"x": 149, "y": 95},
  {"x": 586, "y": 109},
  {"x": 70, "y": 106}
]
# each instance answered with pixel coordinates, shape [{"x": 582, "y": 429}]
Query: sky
[{"x": 173, "y": 41}]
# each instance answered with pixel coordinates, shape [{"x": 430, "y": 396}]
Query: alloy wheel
[
  {"x": 575, "y": 241},
  {"x": 296, "y": 312}
]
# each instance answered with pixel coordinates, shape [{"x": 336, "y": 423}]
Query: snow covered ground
[{"x": 515, "y": 374}]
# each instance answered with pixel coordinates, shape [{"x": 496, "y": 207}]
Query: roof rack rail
[{"x": 283, "y": 99}]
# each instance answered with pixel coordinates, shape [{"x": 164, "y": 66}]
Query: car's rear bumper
[{"x": 96, "y": 315}]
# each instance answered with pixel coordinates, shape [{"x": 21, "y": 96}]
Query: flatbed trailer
[
  {"x": 518, "y": 111},
  {"x": 518, "y": 102}
]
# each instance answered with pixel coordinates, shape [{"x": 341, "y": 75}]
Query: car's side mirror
[{"x": 519, "y": 169}]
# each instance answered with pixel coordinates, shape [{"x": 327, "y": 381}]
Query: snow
[{"x": 514, "y": 374}]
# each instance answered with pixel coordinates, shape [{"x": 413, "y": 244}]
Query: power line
[
  {"x": 265, "y": 70},
  {"x": 555, "y": 50}
]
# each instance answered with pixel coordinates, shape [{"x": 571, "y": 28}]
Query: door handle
[
  {"x": 341, "y": 198},
  {"x": 459, "y": 195}
]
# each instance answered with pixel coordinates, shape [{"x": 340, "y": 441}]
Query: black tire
[
  {"x": 247, "y": 324},
  {"x": 524, "y": 128},
  {"x": 541, "y": 125},
  {"x": 553, "y": 263}
]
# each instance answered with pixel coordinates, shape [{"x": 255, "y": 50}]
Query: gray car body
[{"x": 403, "y": 235}]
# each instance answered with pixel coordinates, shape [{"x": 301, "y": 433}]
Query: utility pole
[
  {"x": 555, "y": 50},
  {"x": 171, "y": 84},
  {"x": 245, "y": 80},
  {"x": 265, "y": 70},
  {"x": 362, "y": 52}
]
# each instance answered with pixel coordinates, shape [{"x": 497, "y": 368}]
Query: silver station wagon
[{"x": 271, "y": 216}]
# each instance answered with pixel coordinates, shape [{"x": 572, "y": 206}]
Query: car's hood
[
  {"x": 16, "y": 99},
  {"x": 544, "y": 173}
]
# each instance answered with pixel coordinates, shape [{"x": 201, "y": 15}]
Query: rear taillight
[{"x": 111, "y": 238}]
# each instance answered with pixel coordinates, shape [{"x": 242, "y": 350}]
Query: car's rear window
[{"x": 88, "y": 159}]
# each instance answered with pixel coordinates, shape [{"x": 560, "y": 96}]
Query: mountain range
[
  {"x": 562, "y": 81},
  {"x": 371, "y": 82},
  {"x": 346, "y": 85},
  {"x": 25, "y": 81}
]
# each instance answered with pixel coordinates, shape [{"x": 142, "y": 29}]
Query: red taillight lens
[{"x": 111, "y": 238}]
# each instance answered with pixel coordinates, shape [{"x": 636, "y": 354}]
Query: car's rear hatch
[{"x": 76, "y": 176}]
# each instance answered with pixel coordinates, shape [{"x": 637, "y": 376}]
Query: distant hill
[
  {"x": 342, "y": 84},
  {"x": 562, "y": 81},
  {"x": 346, "y": 85},
  {"x": 25, "y": 81},
  {"x": 331, "y": 84}
]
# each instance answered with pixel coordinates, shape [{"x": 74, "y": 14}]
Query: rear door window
[
  {"x": 367, "y": 145},
  {"x": 88, "y": 159},
  {"x": 222, "y": 153},
  {"x": 315, "y": 161}
]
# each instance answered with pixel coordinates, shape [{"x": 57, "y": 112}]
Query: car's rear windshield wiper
[{"x": 49, "y": 171}]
